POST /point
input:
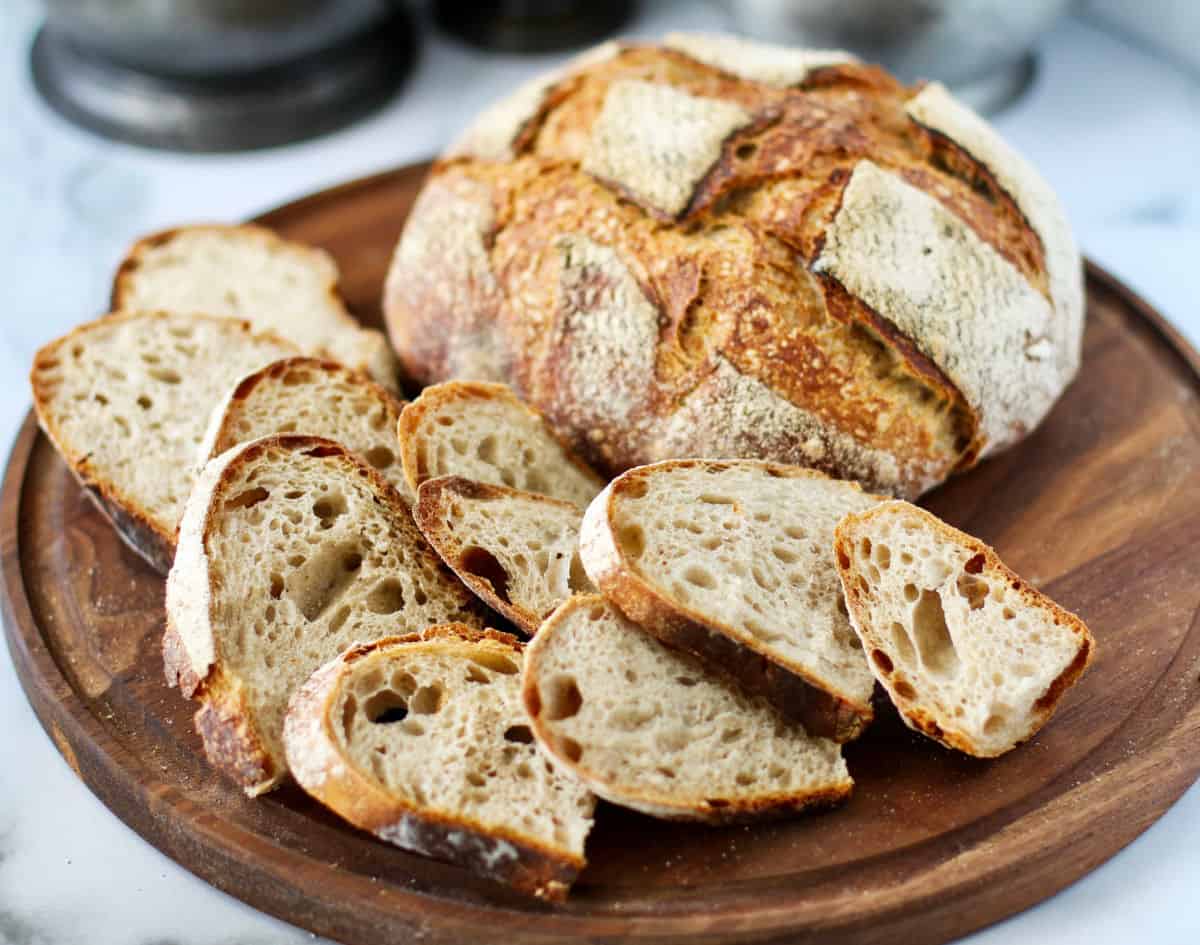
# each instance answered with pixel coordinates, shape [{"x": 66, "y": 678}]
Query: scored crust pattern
[{"x": 691, "y": 222}]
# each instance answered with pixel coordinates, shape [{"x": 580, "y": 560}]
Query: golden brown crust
[
  {"x": 786, "y": 686},
  {"x": 915, "y": 716},
  {"x": 819, "y": 378},
  {"x": 657, "y": 804},
  {"x": 361, "y": 800}
]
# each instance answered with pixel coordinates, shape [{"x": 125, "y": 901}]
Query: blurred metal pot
[
  {"x": 209, "y": 38},
  {"x": 979, "y": 46}
]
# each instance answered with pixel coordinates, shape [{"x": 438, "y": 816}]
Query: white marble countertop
[{"x": 1116, "y": 130}]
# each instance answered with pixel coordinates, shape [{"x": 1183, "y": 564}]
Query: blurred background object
[
  {"x": 982, "y": 48},
  {"x": 531, "y": 26},
  {"x": 211, "y": 75},
  {"x": 1170, "y": 25}
]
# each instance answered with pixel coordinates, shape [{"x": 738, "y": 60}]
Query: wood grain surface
[{"x": 1100, "y": 507}]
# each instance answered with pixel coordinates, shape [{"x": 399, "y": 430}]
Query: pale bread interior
[
  {"x": 949, "y": 636},
  {"x": 525, "y": 547},
  {"x": 743, "y": 546},
  {"x": 305, "y": 556},
  {"x": 133, "y": 393},
  {"x": 482, "y": 432},
  {"x": 648, "y": 727},
  {"x": 440, "y": 726},
  {"x": 306, "y": 395},
  {"x": 247, "y": 272}
]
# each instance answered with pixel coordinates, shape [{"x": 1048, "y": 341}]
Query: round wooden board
[{"x": 1101, "y": 507}]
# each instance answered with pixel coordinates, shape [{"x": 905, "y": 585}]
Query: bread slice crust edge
[
  {"x": 721, "y": 647},
  {"x": 656, "y": 804},
  {"x": 917, "y": 718},
  {"x": 337, "y": 783}
]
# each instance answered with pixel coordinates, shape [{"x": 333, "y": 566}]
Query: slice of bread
[
  {"x": 125, "y": 400},
  {"x": 423, "y": 741},
  {"x": 733, "y": 561},
  {"x": 250, "y": 272},
  {"x": 646, "y": 727},
  {"x": 483, "y": 432},
  {"x": 321, "y": 398},
  {"x": 517, "y": 550},
  {"x": 970, "y": 654},
  {"x": 291, "y": 548}
]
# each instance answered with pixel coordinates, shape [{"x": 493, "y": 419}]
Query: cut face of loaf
[
  {"x": 423, "y": 741},
  {"x": 518, "y": 551},
  {"x": 970, "y": 654},
  {"x": 249, "y": 272},
  {"x": 291, "y": 548},
  {"x": 733, "y": 561},
  {"x": 646, "y": 727},
  {"x": 484, "y": 433},
  {"x": 320, "y": 398},
  {"x": 125, "y": 400}
]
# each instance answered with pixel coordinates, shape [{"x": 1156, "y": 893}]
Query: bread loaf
[
  {"x": 718, "y": 248},
  {"x": 423, "y": 741}
]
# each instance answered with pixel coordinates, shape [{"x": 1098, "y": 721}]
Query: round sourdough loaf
[{"x": 715, "y": 248}]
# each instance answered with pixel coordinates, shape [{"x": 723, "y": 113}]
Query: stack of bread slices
[{"x": 448, "y": 629}]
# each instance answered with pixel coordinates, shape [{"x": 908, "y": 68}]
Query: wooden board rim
[{"x": 1114, "y": 787}]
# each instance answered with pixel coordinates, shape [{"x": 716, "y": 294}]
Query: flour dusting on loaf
[{"x": 761, "y": 62}]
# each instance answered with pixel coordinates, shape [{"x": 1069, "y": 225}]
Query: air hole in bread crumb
[
  {"x": 865, "y": 547},
  {"x": 634, "y": 489},
  {"x": 974, "y": 564},
  {"x": 524, "y": 772},
  {"x": 1008, "y": 613},
  {"x": 910, "y": 592},
  {"x": 744, "y": 152},
  {"x": 385, "y": 706},
  {"x": 577, "y": 579},
  {"x": 883, "y": 557},
  {"x": 144, "y": 402},
  {"x": 477, "y": 675},
  {"x": 328, "y": 508},
  {"x": 561, "y": 698},
  {"x": 906, "y": 558},
  {"x": 631, "y": 540},
  {"x": 248, "y": 498},
  {"x": 482, "y": 564},
  {"x": 445, "y": 421},
  {"x": 349, "y": 708},
  {"x": 745, "y": 778},
  {"x": 486, "y": 450},
  {"x": 521, "y": 734},
  {"x": 902, "y": 644},
  {"x": 412, "y": 727},
  {"x": 712, "y": 498},
  {"x": 784, "y": 554},
  {"x": 716, "y": 802},
  {"x": 994, "y": 722},
  {"x": 666, "y": 772},
  {"x": 476, "y": 779},
  {"x": 935, "y": 646},
  {"x": 166, "y": 375},
  {"x": 883, "y": 661},
  {"x": 904, "y": 690},
  {"x": 972, "y": 589},
  {"x": 339, "y": 618},
  {"x": 700, "y": 577},
  {"x": 843, "y": 560},
  {"x": 386, "y": 597},
  {"x": 570, "y": 748},
  {"x": 596, "y": 613},
  {"x": 427, "y": 700},
  {"x": 685, "y": 681},
  {"x": 276, "y": 586},
  {"x": 380, "y": 457},
  {"x": 495, "y": 662},
  {"x": 731, "y": 735}
]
